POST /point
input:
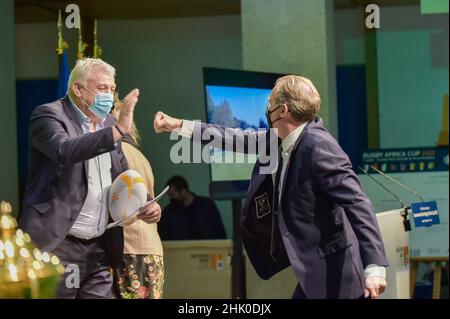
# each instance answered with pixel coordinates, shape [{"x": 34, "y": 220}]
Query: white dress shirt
[{"x": 94, "y": 216}]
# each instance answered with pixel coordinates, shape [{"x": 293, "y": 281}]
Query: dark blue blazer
[
  {"x": 206, "y": 220},
  {"x": 57, "y": 175},
  {"x": 331, "y": 231}
]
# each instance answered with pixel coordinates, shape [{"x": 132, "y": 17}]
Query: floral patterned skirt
[{"x": 142, "y": 277}]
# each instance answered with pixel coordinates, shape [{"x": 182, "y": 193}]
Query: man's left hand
[
  {"x": 151, "y": 214},
  {"x": 375, "y": 286}
]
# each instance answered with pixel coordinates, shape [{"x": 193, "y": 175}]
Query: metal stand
[{"x": 238, "y": 280}]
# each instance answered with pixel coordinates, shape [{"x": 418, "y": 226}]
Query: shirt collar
[{"x": 289, "y": 141}]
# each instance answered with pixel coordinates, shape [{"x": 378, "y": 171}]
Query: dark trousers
[{"x": 87, "y": 271}]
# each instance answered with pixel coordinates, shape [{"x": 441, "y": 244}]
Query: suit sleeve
[
  {"x": 49, "y": 136},
  {"x": 222, "y": 137},
  {"x": 333, "y": 173}
]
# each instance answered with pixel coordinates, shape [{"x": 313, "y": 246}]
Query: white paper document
[{"x": 125, "y": 220}]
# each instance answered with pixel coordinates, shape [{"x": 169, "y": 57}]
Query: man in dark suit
[
  {"x": 312, "y": 213},
  {"x": 188, "y": 216},
  {"x": 75, "y": 153}
]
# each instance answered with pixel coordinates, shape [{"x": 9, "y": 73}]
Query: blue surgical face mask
[{"x": 102, "y": 105}]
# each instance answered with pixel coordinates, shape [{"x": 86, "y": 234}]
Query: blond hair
[
  {"x": 300, "y": 95},
  {"x": 84, "y": 67}
]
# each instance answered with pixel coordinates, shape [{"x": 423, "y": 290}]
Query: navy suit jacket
[
  {"x": 174, "y": 223},
  {"x": 331, "y": 231},
  {"x": 57, "y": 175}
]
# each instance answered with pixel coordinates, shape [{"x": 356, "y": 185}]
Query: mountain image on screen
[
  {"x": 235, "y": 107},
  {"x": 222, "y": 114}
]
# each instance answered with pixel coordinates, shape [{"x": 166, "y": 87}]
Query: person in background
[
  {"x": 142, "y": 275},
  {"x": 188, "y": 216}
]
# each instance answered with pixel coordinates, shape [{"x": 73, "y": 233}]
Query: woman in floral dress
[{"x": 143, "y": 274}]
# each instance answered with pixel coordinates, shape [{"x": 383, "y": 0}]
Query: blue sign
[{"x": 425, "y": 214}]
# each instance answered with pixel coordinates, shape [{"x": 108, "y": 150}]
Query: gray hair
[{"x": 83, "y": 69}]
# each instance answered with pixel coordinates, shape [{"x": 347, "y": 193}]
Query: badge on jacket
[{"x": 262, "y": 205}]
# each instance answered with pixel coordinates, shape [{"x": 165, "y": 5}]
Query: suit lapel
[{"x": 68, "y": 108}]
